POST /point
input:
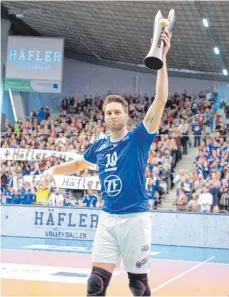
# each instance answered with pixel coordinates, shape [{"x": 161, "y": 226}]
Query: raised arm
[{"x": 153, "y": 116}]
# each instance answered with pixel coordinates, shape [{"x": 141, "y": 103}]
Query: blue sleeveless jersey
[{"x": 122, "y": 167}]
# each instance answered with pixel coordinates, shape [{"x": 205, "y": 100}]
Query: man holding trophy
[{"x": 124, "y": 227}]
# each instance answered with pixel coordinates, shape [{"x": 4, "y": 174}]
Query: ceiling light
[
  {"x": 205, "y": 22},
  {"x": 19, "y": 15},
  {"x": 225, "y": 71},
  {"x": 216, "y": 50}
]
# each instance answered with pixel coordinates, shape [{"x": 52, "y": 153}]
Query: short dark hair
[{"x": 118, "y": 99}]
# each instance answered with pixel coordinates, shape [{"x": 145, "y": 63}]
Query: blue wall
[
  {"x": 38, "y": 100},
  {"x": 7, "y": 107},
  {"x": 31, "y": 101}
]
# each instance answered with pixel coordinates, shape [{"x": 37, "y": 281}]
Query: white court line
[
  {"x": 181, "y": 274},
  {"x": 72, "y": 252},
  {"x": 46, "y": 251},
  {"x": 187, "y": 261},
  {"x": 45, "y": 273}
]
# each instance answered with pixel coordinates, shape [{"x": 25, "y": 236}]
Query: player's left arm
[{"x": 153, "y": 116}]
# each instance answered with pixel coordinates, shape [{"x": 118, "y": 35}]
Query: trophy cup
[{"x": 154, "y": 58}]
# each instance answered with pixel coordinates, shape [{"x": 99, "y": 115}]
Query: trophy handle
[
  {"x": 171, "y": 18},
  {"x": 156, "y": 31}
]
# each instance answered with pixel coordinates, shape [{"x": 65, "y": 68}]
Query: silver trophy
[{"x": 154, "y": 58}]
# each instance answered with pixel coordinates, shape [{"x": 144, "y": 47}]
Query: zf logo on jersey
[
  {"x": 113, "y": 185},
  {"x": 139, "y": 264}
]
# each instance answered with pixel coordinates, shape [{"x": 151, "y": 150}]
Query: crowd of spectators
[
  {"x": 207, "y": 188},
  {"x": 81, "y": 122}
]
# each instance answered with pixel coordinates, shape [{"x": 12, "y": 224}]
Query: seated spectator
[
  {"x": 1, "y": 187},
  {"x": 7, "y": 194},
  {"x": 36, "y": 169},
  {"x": 163, "y": 187},
  {"x": 216, "y": 209},
  {"x": 33, "y": 115},
  {"x": 184, "y": 130},
  {"x": 42, "y": 195},
  {"x": 41, "y": 115},
  {"x": 227, "y": 111},
  {"x": 71, "y": 201},
  {"x": 214, "y": 187},
  {"x": 224, "y": 195},
  {"x": 27, "y": 194},
  {"x": 4, "y": 175},
  {"x": 15, "y": 197},
  {"x": 193, "y": 203},
  {"x": 186, "y": 185},
  {"x": 197, "y": 133},
  {"x": 181, "y": 201},
  {"x": 2, "y": 198},
  {"x": 152, "y": 186},
  {"x": 11, "y": 196},
  {"x": 90, "y": 200},
  {"x": 56, "y": 198},
  {"x": 179, "y": 180},
  {"x": 205, "y": 200},
  {"x": 64, "y": 104}
]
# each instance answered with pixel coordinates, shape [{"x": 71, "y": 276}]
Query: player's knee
[
  {"x": 98, "y": 282},
  {"x": 138, "y": 284}
]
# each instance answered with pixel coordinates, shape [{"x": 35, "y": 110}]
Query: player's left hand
[{"x": 166, "y": 37}]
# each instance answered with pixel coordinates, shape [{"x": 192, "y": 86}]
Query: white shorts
[{"x": 128, "y": 236}]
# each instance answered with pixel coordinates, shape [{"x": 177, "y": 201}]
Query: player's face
[{"x": 115, "y": 116}]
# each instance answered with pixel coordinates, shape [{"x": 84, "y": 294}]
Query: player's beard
[{"x": 116, "y": 126}]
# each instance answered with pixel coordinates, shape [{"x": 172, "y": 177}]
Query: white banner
[
  {"x": 61, "y": 181},
  {"x": 48, "y": 222},
  {"x": 37, "y": 155}
]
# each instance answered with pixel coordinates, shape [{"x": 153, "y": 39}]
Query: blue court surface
[{"x": 181, "y": 253}]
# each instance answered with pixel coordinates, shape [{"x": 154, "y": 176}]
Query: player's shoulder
[
  {"x": 98, "y": 143},
  {"x": 103, "y": 140},
  {"x": 102, "y": 143},
  {"x": 135, "y": 130}
]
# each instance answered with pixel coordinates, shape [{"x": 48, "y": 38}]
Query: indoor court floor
[{"x": 52, "y": 267}]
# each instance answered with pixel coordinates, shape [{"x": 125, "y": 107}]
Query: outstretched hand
[{"x": 47, "y": 175}]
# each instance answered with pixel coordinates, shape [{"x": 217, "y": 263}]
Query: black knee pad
[
  {"x": 98, "y": 282},
  {"x": 138, "y": 284}
]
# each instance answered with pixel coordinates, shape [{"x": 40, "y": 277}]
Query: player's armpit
[{"x": 153, "y": 116}]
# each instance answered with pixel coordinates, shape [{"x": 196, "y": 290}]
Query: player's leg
[
  {"x": 138, "y": 284},
  {"x": 135, "y": 244},
  {"x": 99, "y": 280},
  {"x": 105, "y": 254}
]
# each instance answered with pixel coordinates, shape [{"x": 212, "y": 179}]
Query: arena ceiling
[{"x": 119, "y": 32}]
